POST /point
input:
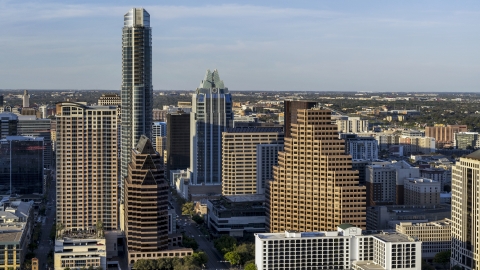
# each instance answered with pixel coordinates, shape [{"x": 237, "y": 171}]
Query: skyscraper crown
[
  {"x": 212, "y": 80},
  {"x": 136, "y": 17}
]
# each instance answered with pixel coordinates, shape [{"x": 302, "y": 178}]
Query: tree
[
  {"x": 200, "y": 258},
  {"x": 58, "y": 228},
  {"x": 426, "y": 266},
  {"x": 198, "y": 219},
  {"x": 233, "y": 257},
  {"x": 143, "y": 264},
  {"x": 99, "y": 227},
  {"x": 250, "y": 266},
  {"x": 246, "y": 252},
  {"x": 225, "y": 244},
  {"x": 187, "y": 208},
  {"x": 442, "y": 257},
  {"x": 189, "y": 242}
]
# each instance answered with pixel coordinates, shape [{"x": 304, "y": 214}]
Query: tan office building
[
  {"x": 86, "y": 157},
  {"x": 314, "y": 187},
  {"x": 239, "y": 157},
  {"x": 146, "y": 203}
]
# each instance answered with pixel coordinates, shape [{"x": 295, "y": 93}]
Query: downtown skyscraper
[
  {"x": 314, "y": 187},
  {"x": 211, "y": 114},
  {"x": 137, "y": 89},
  {"x": 465, "y": 212}
]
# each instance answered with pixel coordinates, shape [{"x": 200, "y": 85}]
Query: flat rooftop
[
  {"x": 368, "y": 265},
  {"x": 393, "y": 237},
  {"x": 10, "y": 236}
]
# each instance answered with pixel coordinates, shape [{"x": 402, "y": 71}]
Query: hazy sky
[{"x": 255, "y": 45}]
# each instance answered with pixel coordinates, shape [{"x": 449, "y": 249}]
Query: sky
[{"x": 302, "y": 45}]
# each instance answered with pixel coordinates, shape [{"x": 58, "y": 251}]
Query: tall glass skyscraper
[
  {"x": 137, "y": 89},
  {"x": 211, "y": 114}
]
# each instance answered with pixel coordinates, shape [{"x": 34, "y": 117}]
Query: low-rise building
[
  {"x": 435, "y": 235},
  {"x": 236, "y": 215},
  {"x": 422, "y": 191},
  {"x": 387, "y": 217},
  {"x": 16, "y": 226},
  {"x": 80, "y": 253},
  {"x": 346, "y": 248}
]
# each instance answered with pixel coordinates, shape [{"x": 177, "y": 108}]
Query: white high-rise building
[
  {"x": 211, "y": 114},
  {"x": 137, "y": 88},
  {"x": 347, "y": 124},
  {"x": 346, "y": 248}
]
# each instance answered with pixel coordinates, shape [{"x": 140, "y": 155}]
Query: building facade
[
  {"x": 385, "y": 182},
  {"x": 146, "y": 202},
  {"x": 267, "y": 157},
  {"x": 137, "y": 88},
  {"x": 159, "y": 129},
  {"x": 86, "y": 159},
  {"x": 112, "y": 100},
  {"x": 466, "y": 140},
  {"x": 239, "y": 157},
  {"x": 80, "y": 253},
  {"x": 438, "y": 174},
  {"x": 236, "y": 215},
  {"x": 178, "y": 142},
  {"x": 8, "y": 124},
  {"x": 422, "y": 191},
  {"x": 34, "y": 127},
  {"x": 444, "y": 134},
  {"x": 347, "y": 124},
  {"x": 21, "y": 165},
  {"x": 435, "y": 235},
  {"x": 465, "y": 215},
  {"x": 345, "y": 248},
  {"x": 365, "y": 148},
  {"x": 313, "y": 179},
  {"x": 210, "y": 116},
  {"x": 290, "y": 112}
]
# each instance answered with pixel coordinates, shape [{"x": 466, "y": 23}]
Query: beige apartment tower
[
  {"x": 314, "y": 187},
  {"x": 239, "y": 157},
  {"x": 86, "y": 166},
  {"x": 146, "y": 203}
]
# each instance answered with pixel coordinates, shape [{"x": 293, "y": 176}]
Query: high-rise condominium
[
  {"x": 86, "y": 166},
  {"x": 465, "y": 213},
  {"x": 314, "y": 187},
  {"x": 137, "y": 89},
  {"x": 211, "y": 113}
]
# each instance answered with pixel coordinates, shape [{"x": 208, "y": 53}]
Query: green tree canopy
[
  {"x": 233, "y": 257},
  {"x": 442, "y": 257},
  {"x": 187, "y": 208},
  {"x": 225, "y": 244},
  {"x": 250, "y": 266}
]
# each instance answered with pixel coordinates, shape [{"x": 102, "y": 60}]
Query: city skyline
[{"x": 324, "y": 46}]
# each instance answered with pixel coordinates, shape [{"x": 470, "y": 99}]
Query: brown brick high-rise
[
  {"x": 146, "y": 202},
  {"x": 314, "y": 187}
]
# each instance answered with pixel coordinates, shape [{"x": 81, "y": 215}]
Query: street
[
  {"x": 187, "y": 224},
  {"x": 45, "y": 244}
]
